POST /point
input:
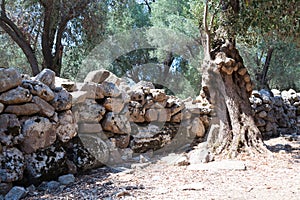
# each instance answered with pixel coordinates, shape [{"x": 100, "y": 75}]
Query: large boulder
[
  {"x": 16, "y": 96},
  {"x": 39, "y": 133},
  {"x": 9, "y": 78}
]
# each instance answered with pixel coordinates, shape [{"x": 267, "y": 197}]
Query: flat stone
[
  {"x": 97, "y": 76},
  {"x": 66, "y": 179},
  {"x": 47, "y": 77},
  {"x": 16, "y": 96},
  {"x": 193, "y": 186},
  {"x": 68, "y": 85},
  {"x": 45, "y": 108},
  {"x": 67, "y": 127},
  {"x": 23, "y": 110},
  {"x": 9, "y": 79},
  {"x": 39, "y": 89},
  {"x": 115, "y": 105},
  {"x": 16, "y": 193},
  {"x": 219, "y": 165},
  {"x": 38, "y": 133},
  {"x": 90, "y": 128},
  {"x": 78, "y": 97}
]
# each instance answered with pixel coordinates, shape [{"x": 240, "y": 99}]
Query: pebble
[
  {"x": 16, "y": 193},
  {"x": 66, "y": 179}
]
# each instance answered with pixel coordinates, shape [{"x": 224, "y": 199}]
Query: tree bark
[
  {"x": 227, "y": 85},
  {"x": 263, "y": 78}
]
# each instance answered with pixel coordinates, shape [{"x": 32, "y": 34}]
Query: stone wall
[
  {"x": 276, "y": 112},
  {"x": 37, "y": 130},
  {"x": 50, "y": 126}
]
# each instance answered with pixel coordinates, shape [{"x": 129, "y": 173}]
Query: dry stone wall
[{"x": 51, "y": 126}]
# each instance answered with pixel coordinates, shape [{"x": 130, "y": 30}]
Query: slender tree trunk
[
  {"x": 263, "y": 79},
  {"x": 227, "y": 85}
]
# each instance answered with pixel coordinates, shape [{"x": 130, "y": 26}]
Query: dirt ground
[{"x": 274, "y": 176}]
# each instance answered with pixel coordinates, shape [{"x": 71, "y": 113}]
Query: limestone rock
[
  {"x": 68, "y": 85},
  {"x": 39, "y": 133},
  {"x": 114, "y": 79},
  {"x": 110, "y": 89},
  {"x": 10, "y": 130},
  {"x": 122, "y": 141},
  {"x": 89, "y": 111},
  {"x": 47, "y": 77},
  {"x": 62, "y": 100},
  {"x": 93, "y": 90},
  {"x": 138, "y": 96},
  {"x": 164, "y": 115},
  {"x": 1, "y": 108},
  {"x": 151, "y": 115},
  {"x": 198, "y": 127},
  {"x": 90, "y": 128},
  {"x": 16, "y": 193},
  {"x": 45, "y": 108},
  {"x": 23, "y": 110},
  {"x": 78, "y": 97},
  {"x": 78, "y": 154},
  {"x": 96, "y": 147},
  {"x": 39, "y": 89},
  {"x": 115, "y": 105},
  {"x": 16, "y": 96},
  {"x": 97, "y": 76},
  {"x": 11, "y": 165},
  {"x": 136, "y": 112},
  {"x": 158, "y": 95},
  {"x": 116, "y": 123},
  {"x": 9, "y": 78},
  {"x": 45, "y": 164},
  {"x": 198, "y": 108},
  {"x": 143, "y": 85},
  {"x": 67, "y": 127},
  {"x": 176, "y": 118},
  {"x": 66, "y": 179}
]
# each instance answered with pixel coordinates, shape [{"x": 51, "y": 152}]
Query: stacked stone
[
  {"x": 116, "y": 120},
  {"x": 276, "y": 112},
  {"x": 36, "y": 127}
]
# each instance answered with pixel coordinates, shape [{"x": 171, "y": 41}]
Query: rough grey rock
[
  {"x": 23, "y": 110},
  {"x": 39, "y": 89},
  {"x": 89, "y": 111},
  {"x": 93, "y": 90},
  {"x": 47, "y": 77},
  {"x": 62, "y": 100},
  {"x": 1, "y": 108},
  {"x": 138, "y": 96},
  {"x": 136, "y": 112},
  {"x": 116, "y": 123},
  {"x": 45, "y": 108},
  {"x": 96, "y": 147},
  {"x": 121, "y": 141},
  {"x": 143, "y": 85},
  {"x": 158, "y": 95},
  {"x": 66, "y": 179},
  {"x": 78, "y": 97},
  {"x": 67, "y": 127},
  {"x": 45, "y": 164},
  {"x": 97, "y": 76},
  {"x": 115, "y": 105},
  {"x": 9, "y": 78},
  {"x": 11, "y": 164},
  {"x": 151, "y": 115},
  {"x": 38, "y": 133},
  {"x": 89, "y": 128},
  {"x": 10, "y": 130},
  {"x": 5, "y": 188},
  {"x": 52, "y": 185},
  {"x": 110, "y": 89},
  {"x": 16, "y": 96},
  {"x": 16, "y": 193}
]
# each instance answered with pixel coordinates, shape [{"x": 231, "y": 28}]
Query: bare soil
[{"x": 273, "y": 176}]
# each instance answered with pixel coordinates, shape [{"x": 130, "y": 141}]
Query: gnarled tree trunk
[{"x": 227, "y": 85}]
